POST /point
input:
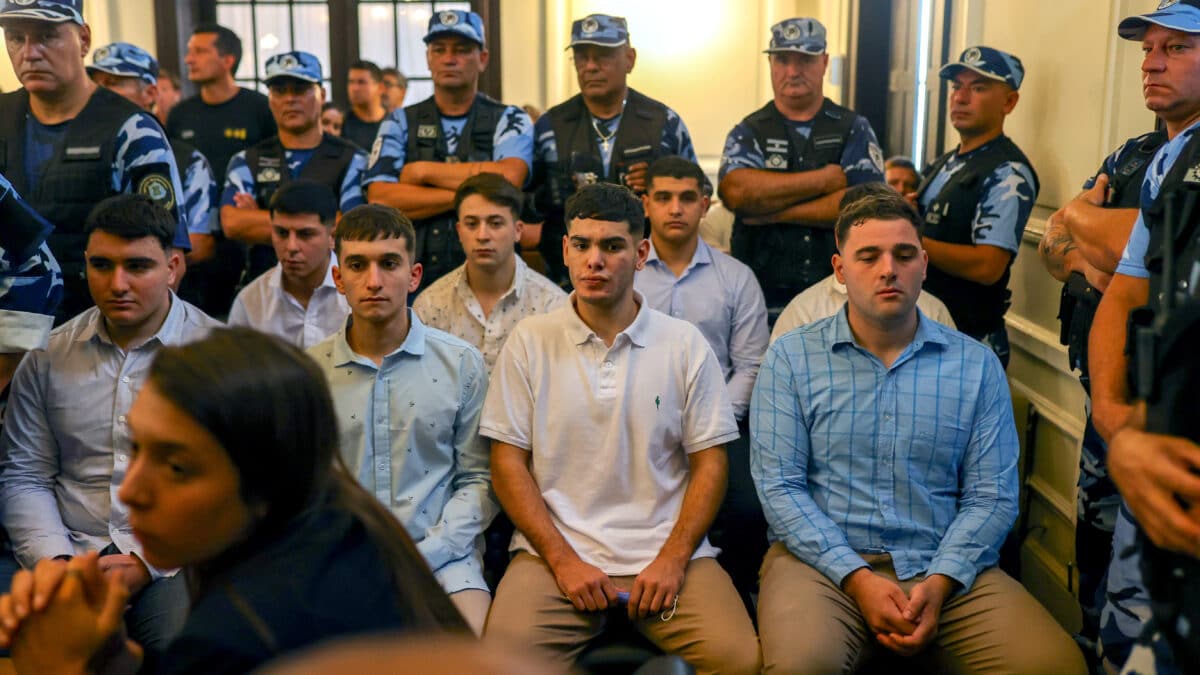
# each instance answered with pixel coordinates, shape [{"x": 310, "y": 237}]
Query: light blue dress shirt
[
  {"x": 65, "y": 442},
  {"x": 918, "y": 460},
  {"x": 721, "y": 297},
  {"x": 410, "y": 432}
]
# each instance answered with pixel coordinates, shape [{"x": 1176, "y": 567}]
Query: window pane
[
  {"x": 274, "y": 33},
  {"x": 411, "y": 24},
  {"x": 238, "y": 19},
  {"x": 312, "y": 32},
  {"x": 376, "y": 33},
  {"x": 418, "y": 90}
]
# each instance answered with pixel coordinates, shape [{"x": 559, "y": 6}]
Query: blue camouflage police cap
[
  {"x": 801, "y": 34},
  {"x": 1180, "y": 15},
  {"x": 455, "y": 22},
  {"x": 125, "y": 60},
  {"x": 296, "y": 65},
  {"x": 599, "y": 29},
  {"x": 54, "y": 11},
  {"x": 990, "y": 63}
]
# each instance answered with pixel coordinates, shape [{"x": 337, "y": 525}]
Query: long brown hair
[{"x": 269, "y": 406}]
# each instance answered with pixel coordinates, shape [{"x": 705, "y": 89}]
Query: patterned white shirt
[{"x": 451, "y": 306}]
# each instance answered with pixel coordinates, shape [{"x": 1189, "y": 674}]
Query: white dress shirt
[{"x": 266, "y": 307}]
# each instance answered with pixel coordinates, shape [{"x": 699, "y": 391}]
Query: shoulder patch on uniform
[
  {"x": 376, "y": 150},
  {"x": 158, "y": 188},
  {"x": 876, "y": 156}
]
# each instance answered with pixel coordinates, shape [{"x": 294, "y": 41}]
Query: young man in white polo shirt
[
  {"x": 482, "y": 300},
  {"x": 608, "y": 423},
  {"x": 297, "y": 299}
]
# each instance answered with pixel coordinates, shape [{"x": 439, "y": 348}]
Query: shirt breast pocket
[{"x": 937, "y": 448}]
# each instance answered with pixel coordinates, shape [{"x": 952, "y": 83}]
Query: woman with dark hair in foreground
[{"x": 235, "y": 478}]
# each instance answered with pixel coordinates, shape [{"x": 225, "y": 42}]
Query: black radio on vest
[
  {"x": 786, "y": 258},
  {"x": 437, "y": 246}
]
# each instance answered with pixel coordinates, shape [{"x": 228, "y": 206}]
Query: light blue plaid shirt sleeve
[
  {"x": 987, "y": 503},
  {"x": 916, "y": 459},
  {"x": 780, "y": 451}
]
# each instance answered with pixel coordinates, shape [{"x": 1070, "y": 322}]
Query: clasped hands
[{"x": 903, "y": 623}]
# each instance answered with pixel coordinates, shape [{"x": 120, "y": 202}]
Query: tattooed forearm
[{"x": 1054, "y": 248}]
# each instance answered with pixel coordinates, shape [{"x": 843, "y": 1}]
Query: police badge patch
[
  {"x": 448, "y": 18},
  {"x": 792, "y": 32},
  {"x": 376, "y": 149},
  {"x": 1167, "y": 3},
  {"x": 776, "y": 161},
  {"x": 426, "y": 131},
  {"x": 267, "y": 174},
  {"x": 158, "y": 188},
  {"x": 876, "y": 156},
  {"x": 589, "y": 26},
  {"x": 101, "y": 55},
  {"x": 972, "y": 56}
]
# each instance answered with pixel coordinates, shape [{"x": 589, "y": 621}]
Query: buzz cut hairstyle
[
  {"x": 228, "y": 43},
  {"x": 370, "y": 222},
  {"x": 304, "y": 197},
  {"x": 132, "y": 217},
  {"x": 881, "y": 203},
  {"x": 605, "y": 201},
  {"x": 674, "y": 166},
  {"x": 494, "y": 188},
  {"x": 373, "y": 70}
]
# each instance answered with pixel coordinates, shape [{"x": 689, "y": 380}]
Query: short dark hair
[
  {"x": 494, "y": 188},
  {"x": 883, "y": 204},
  {"x": 394, "y": 72},
  {"x": 605, "y": 201},
  {"x": 170, "y": 76},
  {"x": 369, "y": 222},
  {"x": 369, "y": 66},
  {"x": 898, "y": 162},
  {"x": 674, "y": 166},
  {"x": 130, "y": 217},
  {"x": 228, "y": 43},
  {"x": 857, "y": 192},
  {"x": 304, "y": 197},
  {"x": 330, "y": 105}
]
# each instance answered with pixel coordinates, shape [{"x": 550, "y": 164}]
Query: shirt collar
[
  {"x": 518, "y": 283},
  {"x": 168, "y": 333},
  {"x": 414, "y": 343},
  {"x": 701, "y": 256},
  {"x": 637, "y": 332},
  {"x": 928, "y": 331}
]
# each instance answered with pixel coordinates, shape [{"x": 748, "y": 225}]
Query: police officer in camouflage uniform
[
  {"x": 1081, "y": 247},
  {"x": 786, "y": 166},
  {"x": 1149, "y": 472},
  {"x": 977, "y": 198},
  {"x": 300, "y": 150},
  {"x": 608, "y": 132},
  {"x": 66, "y": 144},
  {"x": 424, "y": 152},
  {"x": 130, "y": 71}
]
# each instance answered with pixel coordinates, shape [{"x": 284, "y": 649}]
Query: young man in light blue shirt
[
  {"x": 65, "y": 444},
  {"x": 884, "y": 451},
  {"x": 686, "y": 278},
  {"x": 408, "y": 400}
]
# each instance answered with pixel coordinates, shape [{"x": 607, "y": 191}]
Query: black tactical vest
[
  {"x": 638, "y": 139},
  {"x": 1077, "y": 307},
  {"x": 977, "y": 309},
  {"x": 76, "y": 178},
  {"x": 788, "y": 258},
  {"x": 268, "y": 166},
  {"x": 437, "y": 245}
]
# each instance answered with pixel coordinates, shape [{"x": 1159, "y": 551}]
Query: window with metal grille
[{"x": 391, "y": 34}]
